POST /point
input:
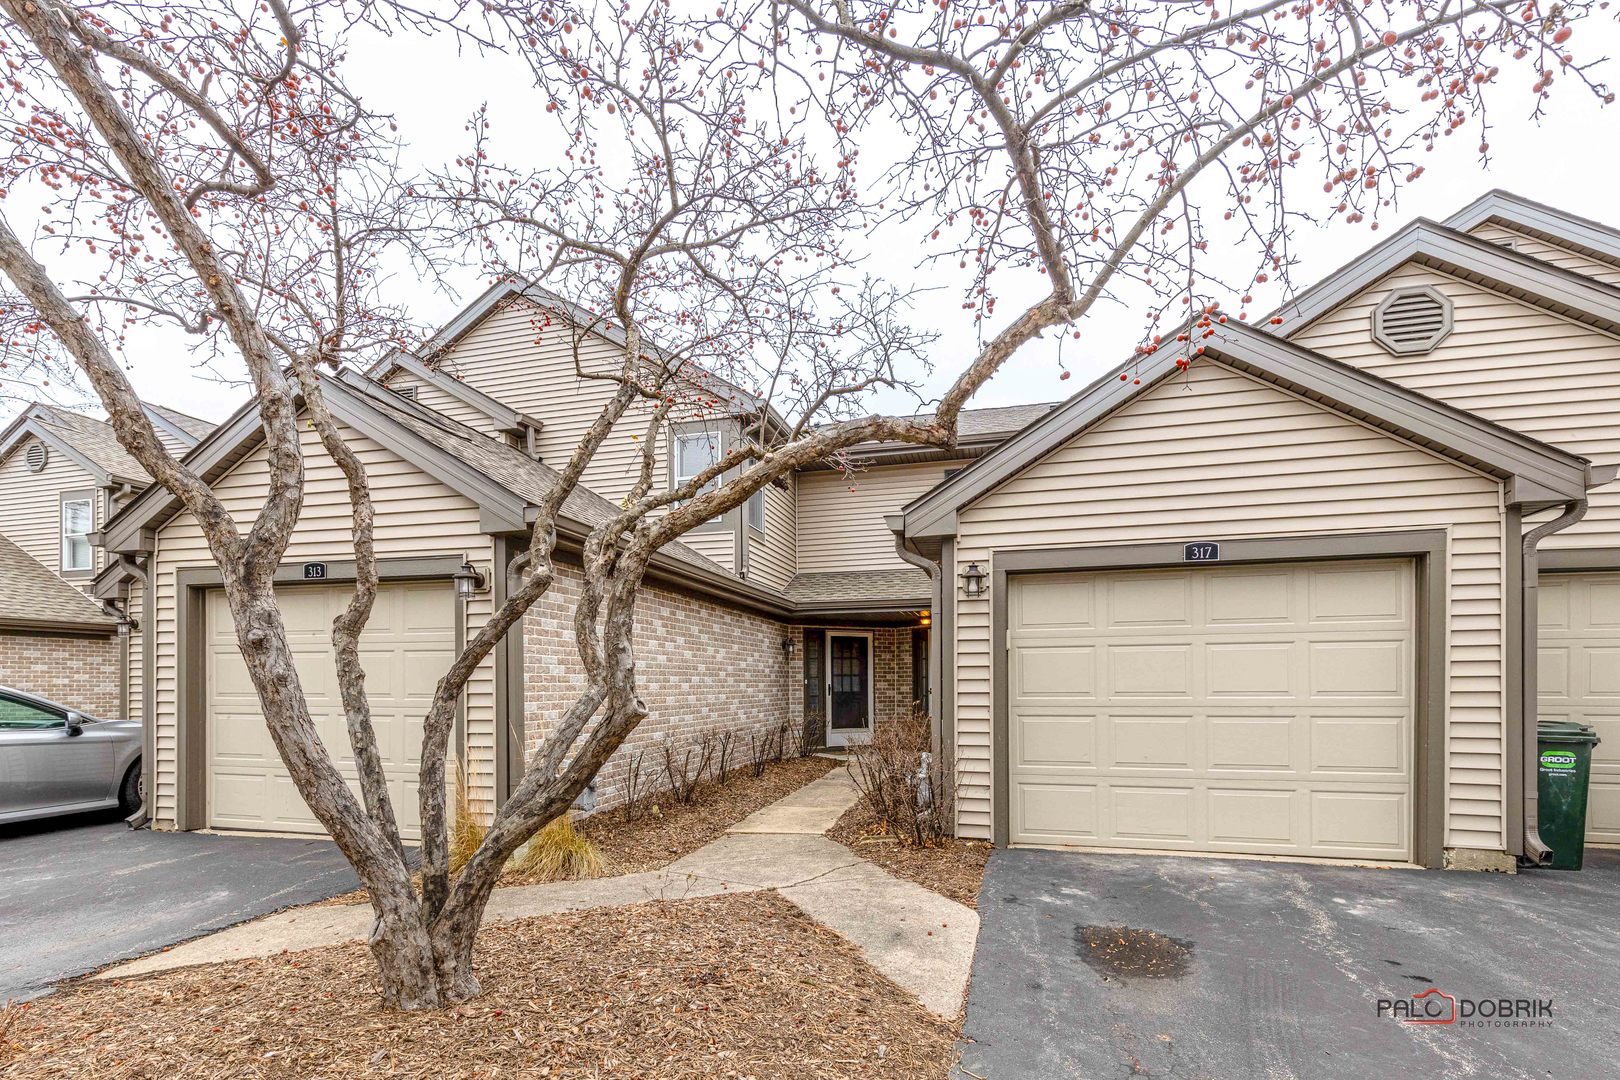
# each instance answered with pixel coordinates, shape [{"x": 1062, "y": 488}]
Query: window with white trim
[
  {"x": 694, "y": 452},
  {"x": 756, "y": 511},
  {"x": 78, "y": 519}
]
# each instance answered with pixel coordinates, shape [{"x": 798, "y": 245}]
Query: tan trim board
[{"x": 1426, "y": 547}]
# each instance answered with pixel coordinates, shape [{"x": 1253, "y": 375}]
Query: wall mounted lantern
[
  {"x": 468, "y": 581},
  {"x": 973, "y": 582}
]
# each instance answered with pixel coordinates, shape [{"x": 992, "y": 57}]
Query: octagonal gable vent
[
  {"x": 1412, "y": 320},
  {"x": 36, "y": 457}
]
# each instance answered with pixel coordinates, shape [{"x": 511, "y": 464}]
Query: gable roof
[
  {"x": 504, "y": 482},
  {"x": 87, "y": 442},
  {"x": 188, "y": 429},
  {"x": 522, "y": 289},
  {"x": 33, "y": 598},
  {"x": 1557, "y": 227},
  {"x": 1441, "y": 248},
  {"x": 505, "y": 418},
  {"x": 1536, "y": 474}
]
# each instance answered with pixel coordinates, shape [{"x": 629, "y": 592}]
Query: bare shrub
[
  {"x": 684, "y": 769},
  {"x": 760, "y": 745},
  {"x": 793, "y": 744},
  {"x": 558, "y": 853},
  {"x": 813, "y": 736},
  {"x": 907, "y": 787},
  {"x": 724, "y": 746},
  {"x": 636, "y": 784}
]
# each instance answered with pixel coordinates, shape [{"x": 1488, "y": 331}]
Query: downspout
[
  {"x": 897, "y": 524},
  {"x": 143, "y": 817},
  {"x": 1535, "y": 852}
]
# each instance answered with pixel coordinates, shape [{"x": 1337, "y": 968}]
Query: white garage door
[
  {"x": 1264, "y": 709},
  {"x": 1579, "y": 679},
  {"x": 406, "y": 647}
]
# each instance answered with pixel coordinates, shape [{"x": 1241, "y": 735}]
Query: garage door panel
[
  {"x": 1359, "y": 744},
  {"x": 1276, "y": 717},
  {"x": 1158, "y": 671},
  {"x": 1360, "y": 595},
  {"x": 1149, "y": 601},
  {"x": 1152, "y": 814},
  {"x": 406, "y": 647},
  {"x": 1250, "y": 669},
  {"x": 1253, "y": 817},
  {"x": 1357, "y": 669},
  {"x": 1249, "y": 599},
  {"x": 1060, "y": 813},
  {"x": 1055, "y": 670},
  {"x": 1057, "y": 739},
  {"x": 1578, "y": 679},
  {"x": 1067, "y": 601},
  {"x": 1251, "y": 742},
  {"x": 1375, "y": 822}
]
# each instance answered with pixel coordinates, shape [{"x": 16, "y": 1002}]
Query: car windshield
[{"x": 17, "y": 714}]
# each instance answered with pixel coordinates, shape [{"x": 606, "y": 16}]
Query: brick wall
[
  {"x": 700, "y": 667},
  {"x": 80, "y": 672},
  {"x": 891, "y": 670}
]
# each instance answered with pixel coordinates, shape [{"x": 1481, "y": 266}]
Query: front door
[{"x": 849, "y": 688}]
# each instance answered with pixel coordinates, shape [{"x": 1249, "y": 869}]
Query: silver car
[{"x": 57, "y": 760}]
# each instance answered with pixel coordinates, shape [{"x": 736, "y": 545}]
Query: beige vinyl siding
[
  {"x": 173, "y": 444},
  {"x": 1216, "y": 455},
  {"x": 442, "y": 401},
  {"x": 416, "y": 516},
  {"x": 31, "y": 511},
  {"x": 1563, "y": 257},
  {"x": 518, "y": 361},
  {"x": 773, "y": 558},
  {"x": 841, "y": 524},
  {"x": 1510, "y": 362}
]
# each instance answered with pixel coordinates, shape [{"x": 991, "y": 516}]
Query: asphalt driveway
[
  {"x": 1103, "y": 966},
  {"x": 79, "y": 893}
]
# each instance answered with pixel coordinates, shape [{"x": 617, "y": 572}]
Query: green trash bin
[{"x": 1563, "y": 769}]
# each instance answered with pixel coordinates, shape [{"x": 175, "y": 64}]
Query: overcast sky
[{"x": 1570, "y": 159}]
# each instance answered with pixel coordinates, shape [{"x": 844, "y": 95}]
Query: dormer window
[{"x": 1412, "y": 321}]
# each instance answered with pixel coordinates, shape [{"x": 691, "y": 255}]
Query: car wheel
[{"x": 129, "y": 792}]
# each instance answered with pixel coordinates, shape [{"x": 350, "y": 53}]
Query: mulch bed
[
  {"x": 654, "y": 840},
  {"x": 954, "y": 869},
  {"x": 741, "y": 985}
]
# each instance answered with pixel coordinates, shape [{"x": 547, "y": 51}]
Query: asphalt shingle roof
[
  {"x": 31, "y": 594},
  {"x": 94, "y": 439},
  {"x": 904, "y": 586},
  {"x": 195, "y": 426}
]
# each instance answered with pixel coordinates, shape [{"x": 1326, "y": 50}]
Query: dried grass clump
[
  {"x": 466, "y": 830},
  {"x": 558, "y": 853}
]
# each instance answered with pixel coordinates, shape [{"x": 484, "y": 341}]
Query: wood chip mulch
[
  {"x": 653, "y": 841},
  {"x": 954, "y": 869},
  {"x": 726, "y": 986}
]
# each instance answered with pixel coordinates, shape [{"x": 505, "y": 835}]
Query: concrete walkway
[{"x": 921, "y": 940}]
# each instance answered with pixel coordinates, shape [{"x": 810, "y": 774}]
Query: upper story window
[
  {"x": 78, "y": 519},
  {"x": 756, "y": 511},
  {"x": 694, "y": 452}
]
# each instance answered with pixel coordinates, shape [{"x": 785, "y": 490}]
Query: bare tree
[{"x": 706, "y": 211}]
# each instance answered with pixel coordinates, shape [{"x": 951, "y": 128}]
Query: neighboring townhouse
[
  {"x": 62, "y": 475},
  {"x": 1282, "y": 600}
]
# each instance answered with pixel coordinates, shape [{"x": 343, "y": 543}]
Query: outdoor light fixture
[
  {"x": 468, "y": 581},
  {"x": 973, "y": 578},
  {"x": 126, "y": 625},
  {"x": 789, "y": 647},
  {"x": 925, "y": 618}
]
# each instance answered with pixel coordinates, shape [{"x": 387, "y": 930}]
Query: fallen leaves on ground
[
  {"x": 954, "y": 868},
  {"x": 728, "y": 986}
]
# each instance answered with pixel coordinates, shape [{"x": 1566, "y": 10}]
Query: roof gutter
[
  {"x": 1536, "y": 852},
  {"x": 903, "y": 547}
]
